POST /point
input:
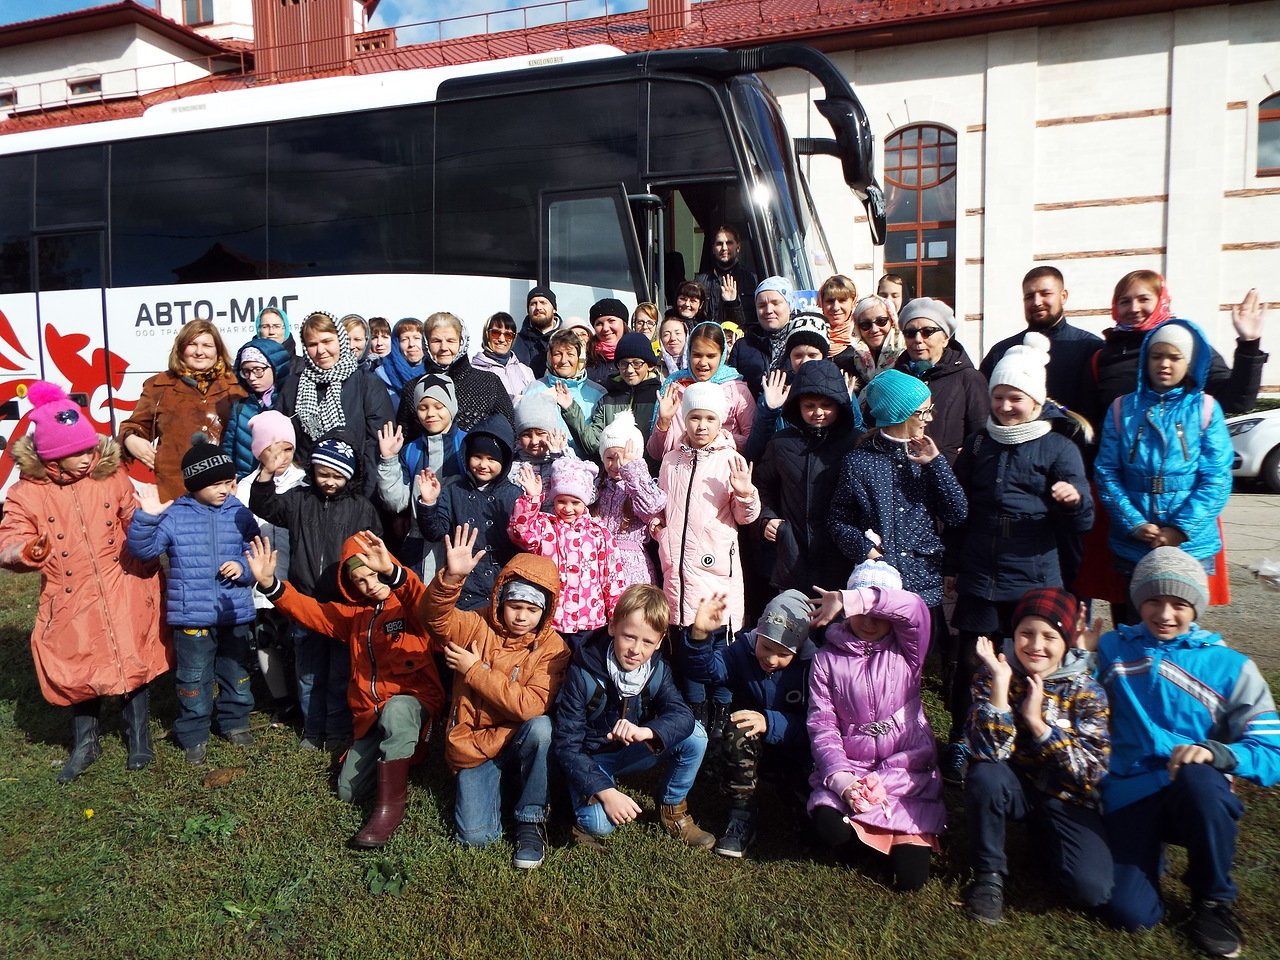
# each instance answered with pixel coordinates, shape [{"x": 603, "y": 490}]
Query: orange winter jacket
[
  {"x": 390, "y": 649},
  {"x": 515, "y": 680}
]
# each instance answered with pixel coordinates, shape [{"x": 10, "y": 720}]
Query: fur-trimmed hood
[{"x": 33, "y": 468}]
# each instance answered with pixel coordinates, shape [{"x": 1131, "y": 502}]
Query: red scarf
[
  {"x": 1159, "y": 315},
  {"x": 605, "y": 351}
]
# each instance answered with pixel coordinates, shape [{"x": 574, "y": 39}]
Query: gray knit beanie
[{"x": 1170, "y": 572}]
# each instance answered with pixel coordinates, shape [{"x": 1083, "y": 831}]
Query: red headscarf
[{"x": 1162, "y": 312}]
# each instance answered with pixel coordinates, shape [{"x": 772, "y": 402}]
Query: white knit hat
[
  {"x": 1176, "y": 335},
  {"x": 1023, "y": 367},
  {"x": 704, "y": 396},
  {"x": 621, "y": 430}
]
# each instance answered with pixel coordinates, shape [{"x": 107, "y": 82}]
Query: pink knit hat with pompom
[
  {"x": 573, "y": 478},
  {"x": 61, "y": 428}
]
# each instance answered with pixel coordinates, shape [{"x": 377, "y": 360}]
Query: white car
[{"x": 1256, "y": 439}]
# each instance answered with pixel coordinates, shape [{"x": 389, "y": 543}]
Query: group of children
[{"x": 525, "y": 571}]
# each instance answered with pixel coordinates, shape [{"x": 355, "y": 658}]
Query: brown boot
[
  {"x": 393, "y": 781},
  {"x": 677, "y": 822}
]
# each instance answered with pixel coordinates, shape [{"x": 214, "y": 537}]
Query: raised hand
[
  {"x": 740, "y": 477},
  {"x": 557, "y": 441},
  {"x": 275, "y": 458},
  {"x": 1086, "y": 635},
  {"x": 1033, "y": 706},
  {"x": 562, "y": 395},
  {"x": 428, "y": 487},
  {"x": 261, "y": 558},
  {"x": 149, "y": 500},
  {"x": 460, "y": 555},
  {"x": 376, "y": 555},
  {"x": 728, "y": 288},
  {"x": 631, "y": 451},
  {"x": 825, "y": 607},
  {"x": 997, "y": 664},
  {"x": 390, "y": 440},
  {"x": 922, "y": 449},
  {"x": 1247, "y": 316},
  {"x": 776, "y": 389},
  {"x": 710, "y": 615},
  {"x": 531, "y": 481},
  {"x": 668, "y": 406}
]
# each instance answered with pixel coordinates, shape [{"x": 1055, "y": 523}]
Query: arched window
[
  {"x": 920, "y": 173},
  {"x": 1269, "y": 137}
]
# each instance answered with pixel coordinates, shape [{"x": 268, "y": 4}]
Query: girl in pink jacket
[
  {"x": 709, "y": 494},
  {"x": 583, "y": 549},
  {"x": 877, "y": 792},
  {"x": 629, "y": 498}
]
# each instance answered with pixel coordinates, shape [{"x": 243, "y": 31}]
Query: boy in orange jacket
[
  {"x": 508, "y": 664},
  {"x": 395, "y": 691}
]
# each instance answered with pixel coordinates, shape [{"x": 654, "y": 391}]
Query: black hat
[
  {"x": 205, "y": 464},
  {"x": 635, "y": 346},
  {"x": 541, "y": 292},
  {"x": 608, "y": 307}
]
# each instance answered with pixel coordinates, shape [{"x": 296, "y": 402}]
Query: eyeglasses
[
  {"x": 880, "y": 322},
  {"x": 925, "y": 332},
  {"x": 501, "y": 334},
  {"x": 631, "y": 364},
  {"x": 925, "y": 414},
  {"x": 253, "y": 373}
]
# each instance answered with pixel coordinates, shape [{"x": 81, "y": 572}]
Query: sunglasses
[
  {"x": 925, "y": 332},
  {"x": 498, "y": 334},
  {"x": 880, "y": 322}
]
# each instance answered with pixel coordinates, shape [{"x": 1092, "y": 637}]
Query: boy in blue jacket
[
  {"x": 1187, "y": 714},
  {"x": 208, "y": 598},
  {"x": 767, "y": 671},
  {"x": 618, "y": 712}
]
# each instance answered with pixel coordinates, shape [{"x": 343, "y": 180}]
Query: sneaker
[
  {"x": 531, "y": 845},
  {"x": 310, "y": 743},
  {"x": 955, "y": 763},
  {"x": 738, "y": 834},
  {"x": 985, "y": 898},
  {"x": 1213, "y": 929},
  {"x": 240, "y": 738},
  {"x": 195, "y": 753}
]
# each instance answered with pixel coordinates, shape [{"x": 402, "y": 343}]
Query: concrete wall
[{"x": 1098, "y": 147}]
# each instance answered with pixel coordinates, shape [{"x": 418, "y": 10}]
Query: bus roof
[{"x": 288, "y": 101}]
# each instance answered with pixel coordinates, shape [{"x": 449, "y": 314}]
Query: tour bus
[{"x": 400, "y": 194}]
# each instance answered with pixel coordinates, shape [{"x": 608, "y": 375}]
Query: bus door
[
  {"x": 590, "y": 248},
  {"x": 71, "y": 319}
]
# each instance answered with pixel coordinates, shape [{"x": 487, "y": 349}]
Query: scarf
[
  {"x": 397, "y": 368},
  {"x": 605, "y": 351},
  {"x": 865, "y": 362},
  {"x": 203, "y": 381},
  {"x": 722, "y": 373},
  {"x": 628, "y": 684},
  {"x": 502, "y": 359},
  {"x": 777, "y": 346},
  {"x": 1162, "y": 312},
  {"x": 1018, "y": 432},
  {"x": 839, "y": 337},
  {"x": 318, "y": 415}
]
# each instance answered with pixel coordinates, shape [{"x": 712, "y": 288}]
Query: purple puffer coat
[
  {"x": 865, "y": 715},
  {"x": 630, "y": 533}
]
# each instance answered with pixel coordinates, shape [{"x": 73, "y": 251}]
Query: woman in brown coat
[
  {"x": 194, "y": 395},
  {"x": 97, "y": 630}
]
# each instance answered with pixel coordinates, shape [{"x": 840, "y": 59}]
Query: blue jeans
[
  {"x": 202, "y": 656},
  {"x": 520, "y": 771},
  {"x": 324, "y": 670},
  {"x": 1197, "y": 811},
  {"x": 682, "y": 760},
  {"x": 1071, "y": 843}
]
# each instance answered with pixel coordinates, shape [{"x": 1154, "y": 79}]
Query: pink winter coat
[
  {"x": 630, "y": 527},
  {"x": 97, "y": 629},
  {"x": 865, "y": 716},
  {"x": 699, "y": 544},
  {"x": 586, "y": 556},
  {"x": 737, "y": 422}
]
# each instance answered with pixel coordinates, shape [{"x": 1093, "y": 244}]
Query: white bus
[{"x": 399, "y": 194}]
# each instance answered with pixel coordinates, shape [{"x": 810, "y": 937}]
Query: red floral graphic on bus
[{"x": 67, "y": 363}]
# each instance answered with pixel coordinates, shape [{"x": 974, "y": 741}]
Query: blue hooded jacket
[
  {"x": 237, "y": 439},
  {"x": 1165, "y": 458}
]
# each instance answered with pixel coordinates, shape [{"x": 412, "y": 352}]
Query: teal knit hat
[{"x": 893, "y": 396}]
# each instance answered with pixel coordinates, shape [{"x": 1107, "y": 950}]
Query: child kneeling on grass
[
  {"x": 1038, "y": 732},
  {"x": 1187, "y": 714},
  {"x": 208, "y": 600},
  {"x": 395, "y": 691},
  {"x": 508, "y": 664},
  {"x": 767, "y": 671},
  {"x": 876, "y": 786},
  {"x": 618, "y": 713}
]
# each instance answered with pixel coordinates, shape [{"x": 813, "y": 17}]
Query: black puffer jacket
[
  {"x": 961, "y": 403},
  {"x": 797, "y": 478}
]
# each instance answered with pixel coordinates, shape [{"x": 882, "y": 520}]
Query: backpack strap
[
  {"x": 1115, "y": 416},
  {"x": 1207, "y": 403},
  {"x": 597, "y": 697}
]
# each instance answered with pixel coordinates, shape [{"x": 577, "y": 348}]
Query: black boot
[
  {"x": 84, "y": 740},
  {"x": 135, "y": 711}
]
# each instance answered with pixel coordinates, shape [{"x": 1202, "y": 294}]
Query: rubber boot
[
  {"x": 135, "y": 711},
  {"x": 677, "y": 822},
  {"x": 84, "y": 740},
  {"x": 393, "y": 782}
]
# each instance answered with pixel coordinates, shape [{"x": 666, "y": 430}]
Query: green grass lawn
[{"x": 168, "y": 865}]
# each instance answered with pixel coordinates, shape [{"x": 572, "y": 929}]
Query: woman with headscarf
[
  {"x": 760, "y": 348},
  {"x": 480, "y": 393},
  {"x": 704, "y": 363},
  {"x": 498, "y": 357}
]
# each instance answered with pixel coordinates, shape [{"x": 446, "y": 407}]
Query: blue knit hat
[
  {"x": 336, "y": 455},
  {"x": 893, "y": 396},
  {"x": 780, "y": 284},
  {"x": 874, "y": 573}
]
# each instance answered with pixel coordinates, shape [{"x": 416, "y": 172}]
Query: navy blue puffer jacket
[{"x": 237, "y": 439}]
